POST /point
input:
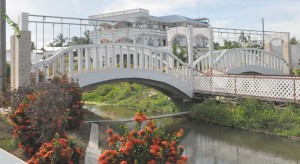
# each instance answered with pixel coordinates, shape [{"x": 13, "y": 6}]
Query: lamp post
[{"x": 2, "y": 46}]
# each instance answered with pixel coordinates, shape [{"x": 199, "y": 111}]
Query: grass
[
  {"x": 7, "y": 142},
  {"x": 251, "y": 114},
  {"x": 130, "y": 95}
]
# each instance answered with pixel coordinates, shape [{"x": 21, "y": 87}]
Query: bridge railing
[
  {"x": 97, "y": 57},
  {"x": 265, "y": 87},
  {"x": 238, "y": 57},
  {"x": 202, "y": 63}
]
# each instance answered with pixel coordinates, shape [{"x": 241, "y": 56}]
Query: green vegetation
[
  {"x": 130, "y": 95},
  {"x": 294, "y": 40},
  {"x": 251, "y": 114},
  {"x": 7, "y": 142},
  {"x": 296, "y": 71}
]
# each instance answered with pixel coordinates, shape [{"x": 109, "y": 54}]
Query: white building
[{"x": 138, "y": 26}]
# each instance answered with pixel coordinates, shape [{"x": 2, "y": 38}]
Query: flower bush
[
  {"x": 58, "y": 151},
  {"x": 45, "y": 110},
  {"x": 149, "y": 145}
]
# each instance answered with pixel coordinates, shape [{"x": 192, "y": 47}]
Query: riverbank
[
  {"x": 250, "y": 114},
  {"x": 134, "y": 96}
]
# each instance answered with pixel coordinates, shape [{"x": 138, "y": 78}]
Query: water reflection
[{"x": 206, "y": 144}]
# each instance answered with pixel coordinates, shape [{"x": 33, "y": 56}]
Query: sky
[{"x": 279, "y": 15}]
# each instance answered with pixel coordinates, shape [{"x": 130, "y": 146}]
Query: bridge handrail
[
  {"x": 242, "y": 49},
  {"x": 61, "y": 52}
]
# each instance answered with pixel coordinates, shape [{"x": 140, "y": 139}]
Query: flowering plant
[
  {"x": 149, "y": 145},
  {"x": 58, "y": 151},
  {"x": 45, "y": 110}
]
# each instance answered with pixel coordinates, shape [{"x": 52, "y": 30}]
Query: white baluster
[
  {"x": 150, "y": 60},
  {"x": 128, "y": 57},
  {"x": 143, "y": 59},
  {"x": 54, "y": 69},
  {"x": 177, "y": 67},
  {"x": 62, "y": 65},
  {"x": 168, "y": 64},
  {"x": 71, "y": 61},
  {"x": 172, "y": 65},
  {"x": 106, "y": 58},
  {"x": 45, "y": 73},
  {"x": 80, "y": 62},
  {"x": 88, "y": 59},
  {"x": 135, "y": 58},
  {"x": 156, "y": 61},
  {"x": 121, "y": 57},
  {"x": 161, "y": 62},
  {"x": 114, "y": 62},
  {"x": 96, "y": 59},
  {"x": 37, "y": 77}
]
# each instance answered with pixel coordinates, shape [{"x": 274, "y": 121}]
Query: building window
[{"x": 150, "y": 42}]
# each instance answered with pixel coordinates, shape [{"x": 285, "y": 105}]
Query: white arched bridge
[{"x": 101, "y": 63}]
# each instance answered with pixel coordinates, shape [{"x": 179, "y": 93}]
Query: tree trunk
[{"x": 2, "y": 47}]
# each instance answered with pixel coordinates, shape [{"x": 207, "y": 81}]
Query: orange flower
[
  {"x": 184, "y": 158},
  {"x": 141, "y": 132},
  {"x": 165, "y": 143},
  {"x": 109, "y": 131},
  {"x": 140, "y": 117},
  {"x": 123, "y": 162},
  {"x": 152, "y": 151},
  {"x": 151, "y": 162}
]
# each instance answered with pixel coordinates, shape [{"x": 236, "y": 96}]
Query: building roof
[
  {"x": 145, "y": 13},
  {"x": 178, "y": 19}
]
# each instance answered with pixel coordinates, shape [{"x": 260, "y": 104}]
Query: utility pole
[
  {"x": 2, "y": 47},
  {"x": 263, "y": 28}
]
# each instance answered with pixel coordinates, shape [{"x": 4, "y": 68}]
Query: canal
[{"x": 211, "y": 144}]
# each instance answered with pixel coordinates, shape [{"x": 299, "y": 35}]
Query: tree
[
  {"x": 4, "y": 18},
  {"x": 294, "y": 40},
  {"x": 180, "y": 52},
  {"x": 81, "y": 40},
  {"x": 60, "y": 40}
]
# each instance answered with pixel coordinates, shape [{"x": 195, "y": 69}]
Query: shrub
[
  {"x": 148, "y": 145},
  {"x": 45, "y": 110},
  {"x": 296, "y": 71},
  {"x": 59, "y": 151}
]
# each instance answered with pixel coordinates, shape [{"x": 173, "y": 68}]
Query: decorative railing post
[{"x": 21, "y": 55}]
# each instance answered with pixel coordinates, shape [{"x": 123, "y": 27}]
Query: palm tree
[
  {"x": 243, "y": 38},
  {"x": 60, "y": 40},
  {"x": 81, "y": 40}
]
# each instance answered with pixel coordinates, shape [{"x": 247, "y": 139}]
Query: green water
[{"x": 209, "y": 144}]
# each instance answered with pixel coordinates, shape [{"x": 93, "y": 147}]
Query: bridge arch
[{"x": 170, "y": 86}]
